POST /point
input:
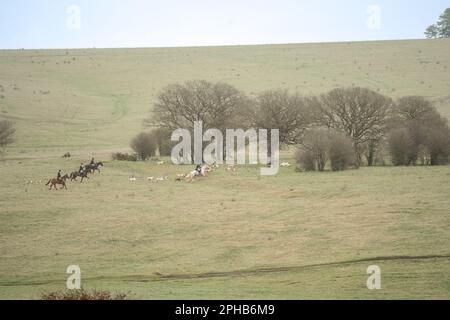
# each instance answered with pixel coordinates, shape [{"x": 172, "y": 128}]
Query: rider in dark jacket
[
  {"x": 58, "y": 176},
  {"x": 92, "y": 162},
  {"x": 81, "y": 168}
]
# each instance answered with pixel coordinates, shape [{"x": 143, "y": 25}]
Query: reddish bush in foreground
[{"x": 83, "y": 295}]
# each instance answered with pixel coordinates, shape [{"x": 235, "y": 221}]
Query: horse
[
  {"x": 94, "y": 167},
  {"x": 54, "y": 182},
  {"x": 83, "y": 174},
  {"x": 204, "y": 170}
]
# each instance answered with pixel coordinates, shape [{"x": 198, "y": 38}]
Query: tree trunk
[{"x": 372, "y": 149}]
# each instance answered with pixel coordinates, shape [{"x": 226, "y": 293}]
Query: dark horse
[
  {"x": 74, "y": 175},
  {"x": 94, "y": 167},
  {"x": 54, "y": 182}
]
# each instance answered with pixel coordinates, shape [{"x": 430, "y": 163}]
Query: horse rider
[
  {"x": 81, "y": 168},
  {"x": 58, "y": 176},
  {"x": 92, "y": 162}
]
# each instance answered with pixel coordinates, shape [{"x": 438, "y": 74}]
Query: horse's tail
[{"x": 48, "y": 182}]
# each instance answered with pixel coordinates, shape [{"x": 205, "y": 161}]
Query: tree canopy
[{"x": 442, "y": 27}]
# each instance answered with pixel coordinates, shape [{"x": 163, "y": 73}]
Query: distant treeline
[{"x": 345, "y": 127}]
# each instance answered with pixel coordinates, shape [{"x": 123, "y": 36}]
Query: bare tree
[
  {"x": 413, "y": 108},
  {"x": 218, "y": 105},
  {"x": 278, "y": 109},
  {"x": 7, "y": 132},
  {"x": 359, "y": 112},
  {"x": 415, "y": 114}
]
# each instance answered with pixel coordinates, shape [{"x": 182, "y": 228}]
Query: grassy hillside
[
  {"x": 296, "y": 235},
  {"x": 95, "y": 99}
]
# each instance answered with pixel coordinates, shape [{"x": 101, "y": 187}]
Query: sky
[{"x": 34, "y": 24}]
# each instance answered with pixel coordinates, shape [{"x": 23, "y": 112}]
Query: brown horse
[
  {"x": 54, "y": 182},
  {"x": 74, "y": 175},
  {"x": 91, "y": 168}
]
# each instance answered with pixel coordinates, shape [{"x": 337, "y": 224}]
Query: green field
[{"x": 296, "y": 235}]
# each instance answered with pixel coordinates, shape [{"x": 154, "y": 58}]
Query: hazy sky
[{"x": 140, "y": 23}]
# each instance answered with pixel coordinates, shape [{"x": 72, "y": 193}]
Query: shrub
[
  {"x": 314, "y": 150},
  {"x": 401, "y": 147},
  {"x": 144, "y": 144},
  {"x": 305, "y": 159},
  {"x": 163, "y": 143},
  {"x": 418, "y": 132},
  {"x": 321, "y": 145},
  {"x": 123, "y": 156},
  {"x": 341, "y": 152},
  {"x": 437, "y": 144},
  {"x": 7, "y": 131}
]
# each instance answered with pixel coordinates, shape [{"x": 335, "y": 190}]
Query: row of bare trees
[
  {"x": 221, "y": 106},
  {"x": 345, "y": 126}
]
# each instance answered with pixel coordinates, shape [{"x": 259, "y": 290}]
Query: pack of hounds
[
  {"x": 199, "y": 171},
  {"x": 82, "y": 173}
]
